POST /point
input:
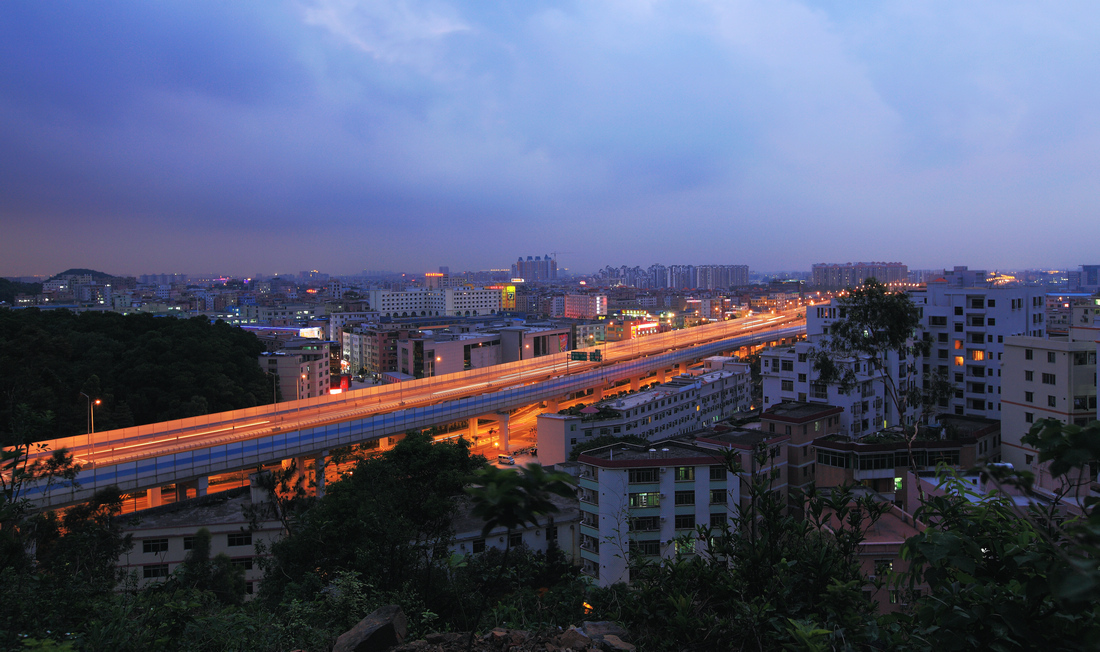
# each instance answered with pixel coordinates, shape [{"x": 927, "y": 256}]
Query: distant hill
[
  {"x": 8, "y": 289},
  {"x": 98, "y": 277}
]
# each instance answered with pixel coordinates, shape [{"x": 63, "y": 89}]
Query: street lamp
[{"x": 91, "y": 420}]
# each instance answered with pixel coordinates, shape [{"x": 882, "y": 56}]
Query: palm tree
[{"x": 512, "y": 498}]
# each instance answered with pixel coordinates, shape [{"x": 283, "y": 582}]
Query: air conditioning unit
[
  {"x": 664, "y": 469},
  {"x": 663, "y": 519}
]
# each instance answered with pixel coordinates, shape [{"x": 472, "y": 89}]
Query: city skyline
[{"x": 331, "y": 135}]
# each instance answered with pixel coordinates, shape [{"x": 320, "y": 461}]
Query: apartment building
[
  {"x": 802, "y": 422},
  {"x": 435, "y": 302},
  {"x": 303, "y": 368},
  {"x": 678, "y": 407},
  {"x": 1045, "y": 379},
  {"x": 837, "y": 277},
  {"x": 163, "y": 536},
  {"x": 967, "y": 327},
  {"x": 584, "y": 306},
  {"x": 638, "y": 502}
]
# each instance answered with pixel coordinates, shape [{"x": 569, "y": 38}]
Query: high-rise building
[
  {"x": 538, "y": 268},
  {"x": 834, "y": 276}
]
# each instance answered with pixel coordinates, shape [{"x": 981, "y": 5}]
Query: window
[
  {"x": 717, "y": 496},
  {"x": 154, "y": 545},
  {"x": 640, "y": 476},
  {"x": 1029, "y": 376},
  {"x": 685, "y": 473},
  {"x": 685, "y": 498},
  {"x": 478, "y": 546},
  {"x": 1029, "y": 397},
  {"x": 685, "y": 521},
  {"x": 717, "y": 473},
  {"x": 1051, "y": 357},
  {"x": 717, "y": 520},
  {"x": 958, "y": 310},
  {"x": 515, "y": 539},
  {"x": 645, "y": 524},
  {"x": 883, "y": 566},
  {"x": 1029, "y": 417},
  {"x": 1049, "y": 379},
  {"x": 551, "y": 533},
  {"x": 787, "y": 365},
  {"x": 787, "y": 386},
  {"x": 645, "y": 548},
  {"x": 992, "y": 303},
  {"x": 154, "y": 570},
  {"x": 959, "y": 361},
  {"x": 240, "y": 539},
  {"x": 1052, "y": 401},
  {"x": 647, "y": 499},
  {"x": 829, "y": 458},
  {"x": 245, "y": 563},
  {"x": 1029, "y": 354},
  {"x": 188, "y": 543}
]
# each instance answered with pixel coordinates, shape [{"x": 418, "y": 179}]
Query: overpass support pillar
[
  {"x": 154, "y": 497},
  {"x": 661, "y": 375},
  {"x": 502, "y": 422},
  {"x": 202, "y": 485},
  {"x": 635, "y": 384},
  {"x": 682, "y": 368},
  {"x": 597, "y": 394},
  {"x": 552, "y": 405},
  {"x": 473, "y": 429},
  {"x": 319, "y": 474}
]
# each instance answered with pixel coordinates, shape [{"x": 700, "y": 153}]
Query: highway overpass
[{"x": 161, "y": 454}]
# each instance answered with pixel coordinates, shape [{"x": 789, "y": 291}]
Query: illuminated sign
[
  {"x": 517, "y": 280},
  {"x": 508, "y": 298},
  {"x": 312, "y": 332}
]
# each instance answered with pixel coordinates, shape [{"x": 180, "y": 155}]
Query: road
[{"x": 111, "y": 447}]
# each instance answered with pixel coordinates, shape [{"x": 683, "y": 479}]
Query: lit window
[{"x": 959, "y": 361}]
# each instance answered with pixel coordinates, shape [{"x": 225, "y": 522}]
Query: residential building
[
  {"x": 803, "y": 422},
  {"x": 584, "y": 306},
  {"x": 1045, "y": 379},
  {"x": 638, "y": 503},
  {"x": 677, "y": 407},
  {"x": 878, "y": 460},
  {"x": 539, "y": 268},
  {"x": 423, "y": 302},
  {"x": 834, "y": 276},
  {"x": 560, "y": 529},
  {"x": 967, "y": 327},
  {"x": 163, "y": 536},
  {"x": 303, "y": 368}
]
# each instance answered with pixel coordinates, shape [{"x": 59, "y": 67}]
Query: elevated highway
[{"x": 171, "y": 452}]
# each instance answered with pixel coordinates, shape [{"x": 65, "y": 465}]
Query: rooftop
[{"x": 799, "y": 411}]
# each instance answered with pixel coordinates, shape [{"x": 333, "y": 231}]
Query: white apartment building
[
  {"x": 678, "y": 407},
  {"x": 163, "y": 536},
  {"x": 434, "y": 302},
  {"x": 968, "y": 327},
  {"x": 1044, "y": 379},
  {"x": 639, "y": 502},
  {"x": 788, "y": 375}
]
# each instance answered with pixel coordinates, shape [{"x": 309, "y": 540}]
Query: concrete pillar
[
  {"x": 635, "y": 384},
  {"x": 319, "y": 474},
  {"x": 552, "y": 405},
  {"x": 202, "y": 485},
  {"x": 660, "y": 375},
  {"x": 502, "y": 423},
  {"x": 473, "y": 429},
  {"x": 154, "y": 497},
  {"x": 597, "y": 394},
  {"x": 682, "y": 368}
]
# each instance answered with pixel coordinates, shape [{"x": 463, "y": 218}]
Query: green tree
[
  {"x": 217, "y": 575},
  {"x": 512, "y": 498},
  {"x": 878, "y": 327}
]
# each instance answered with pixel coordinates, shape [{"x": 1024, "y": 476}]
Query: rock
[
  {"x": 381, "y": 630},
  {"x": 600, "y": 628},
  {"x": 612, "y": 642},
  {"x": 440, "y": 638},
  {"x": 574, "y": 639}
]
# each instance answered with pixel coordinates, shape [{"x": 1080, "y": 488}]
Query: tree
[
  {"x": 878, "y": 327},
  {"x": 218, "y": 575},
  {"x": 512, "y": 498}
]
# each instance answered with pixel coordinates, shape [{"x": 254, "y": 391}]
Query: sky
[{"x": 272, "y": 137}]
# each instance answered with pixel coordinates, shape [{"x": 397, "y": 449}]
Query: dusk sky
[{"x": 262, "y": 137}]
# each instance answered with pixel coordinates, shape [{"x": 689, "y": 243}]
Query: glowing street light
[{"x": 91, "y": 421}]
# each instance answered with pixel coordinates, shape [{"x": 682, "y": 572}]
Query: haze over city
[{"x": 343, "y": 136}]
